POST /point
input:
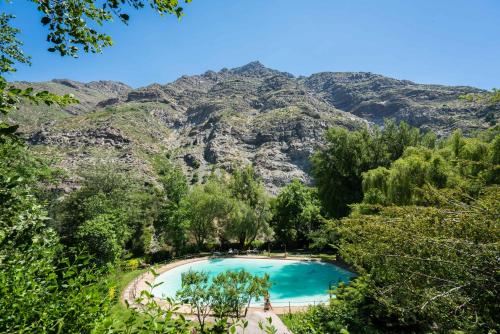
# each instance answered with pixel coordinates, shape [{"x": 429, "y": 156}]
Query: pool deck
[
  {"x": 255, "y": 314},
  {"x": 132, "y": 291}
]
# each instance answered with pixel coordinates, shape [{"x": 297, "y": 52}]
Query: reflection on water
[{"x": 296, "y": 282}]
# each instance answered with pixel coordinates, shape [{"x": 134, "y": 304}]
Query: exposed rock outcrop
[{"x": 247, "y": 115}]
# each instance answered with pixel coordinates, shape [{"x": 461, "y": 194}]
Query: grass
[
  {"x": 120, "y": 279},
  {"x": 287, "y": 319}
]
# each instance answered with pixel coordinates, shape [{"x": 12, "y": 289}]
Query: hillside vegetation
[
  {"x": 251, "y": 158},
  {"x": 246, "y": 115}
]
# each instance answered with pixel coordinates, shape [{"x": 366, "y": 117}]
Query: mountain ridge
[{"x": 246, "y": 115}]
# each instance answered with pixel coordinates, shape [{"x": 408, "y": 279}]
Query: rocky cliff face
[
  {"x": 375, "y": 97},
  {"x": 247, "y": 115}
]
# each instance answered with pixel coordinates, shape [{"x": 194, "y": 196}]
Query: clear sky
[{"x": 453, "y": 42}]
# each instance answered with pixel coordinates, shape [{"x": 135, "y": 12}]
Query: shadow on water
[
  {"x": 216, "y": 260},
  {"x": 306, "y": 279}
]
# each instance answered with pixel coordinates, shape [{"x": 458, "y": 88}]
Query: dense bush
[
  {"x": 41, "y": 289},
  {"x": 461, "y": 164},
  {"x": 351, "y": 311},
  {"x": 296, "y": 214},
  {"x": 99, "y": 237},
  {"x": 338, "y": 167}
]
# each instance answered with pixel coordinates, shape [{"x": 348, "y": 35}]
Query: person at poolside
[{"x": 267, "y": 303}]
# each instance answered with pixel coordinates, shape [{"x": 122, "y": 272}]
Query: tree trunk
[{"x": 241, "y": 240}]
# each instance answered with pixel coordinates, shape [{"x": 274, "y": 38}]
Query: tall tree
[
  {"x": 296, "y": 214},
  {"x": 107, "y": 190},
  {"x": 170, "y": 226},
  {"x": 338, "y": 167},
  {"x": 251, "y": 211},
  {"x": 205, "y": 210}
]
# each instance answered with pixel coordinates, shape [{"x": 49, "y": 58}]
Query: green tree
[
  {"x": 460, "y": 164},
  {"x": 445, "y": 255},
  {"x": 296, "y": 213},
  {"x": 205, "y": 210},
  {"x": 41, "y": 290},
  {"x": 233, "y": 291},
  {"x": 338, "y": 167},
  {"x": 170, "y": 226},
  {"x": 106, "y": 190},
  {"x": 195, "y": 291},
  {"x": 397, "y": 137},
  {"x": 251, "y": 209},
  {"x": 100, "y": 238},
  {"x": 174, "y": 182},
  {"x": 351, "y": 311},
  {"x": 246, "y": 185}
]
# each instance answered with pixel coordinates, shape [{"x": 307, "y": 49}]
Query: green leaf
[
  {"x": 124, "y": 17},
  {"x": 45, "y": 20}
]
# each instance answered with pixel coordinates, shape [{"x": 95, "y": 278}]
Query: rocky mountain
[
  {"x": 89, "y": 95},
  {"x": 246, "y": 115}
]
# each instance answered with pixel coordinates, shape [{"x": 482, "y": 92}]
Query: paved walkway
[{"x": 254, "y": 317}]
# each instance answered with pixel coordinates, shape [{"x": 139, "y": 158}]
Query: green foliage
[
  {"x": 70, "y": 23},
  {"x": 174, "y": 182},
  {"x": 226, "y": 295},
  {"x": 222, "y": 208},
  {"x": 246, "y": 186},
  {"x": 132, "y": 206},
  {"x": 492, "y": 97},
  {"x": 10, "y": 46},
  {"x": 460, "y": 164},
  {"x": 195, "y": 291},
  {"x": 10, "y": 96},
  {"x": 99, "y": 237},
  {"x": 446, "y": 256},
  {"x": 397, "y": 137},
  {"x": 206, "y": 206},
  {"x": 338, "y": 168},
  {"x": 296, "y": 214},
  {"x": 169, "y": 225},
  {"x": 232, "y": 291},
  {"x": 43, "y": 294},
  {"x": 351, "y": 311},
  {"x": 495, "y": 96},
  {"x": 428, "y": 268},
  {"x": 41, "y": 290},
  {"x": 251, "y": 210},
  {"x": 150, "y": 318}
]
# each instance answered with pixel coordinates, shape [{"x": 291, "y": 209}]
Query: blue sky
[{"x": 454, "y": 42}]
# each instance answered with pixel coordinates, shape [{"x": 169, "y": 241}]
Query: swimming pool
[{"x": 294, "y": 282}]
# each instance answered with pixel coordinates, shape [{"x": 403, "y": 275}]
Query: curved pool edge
[{"x": 134, "y": 288}]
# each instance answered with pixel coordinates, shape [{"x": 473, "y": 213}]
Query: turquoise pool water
[{"x": 297, "y": 282}]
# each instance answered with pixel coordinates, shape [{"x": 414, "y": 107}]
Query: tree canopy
[
  {"x": 296, "y": 214},
  {"x": 338, "y": 167}
]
